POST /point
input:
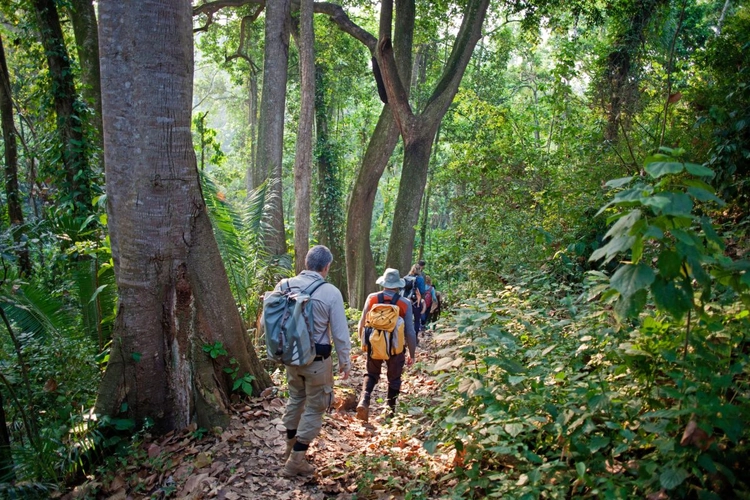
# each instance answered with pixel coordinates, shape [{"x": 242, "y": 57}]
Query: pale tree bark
[
  {"x": 10, "y": 146},
  {"x": 360, "y": 265},
  {"x": 418, "y": 130},
  {"x": 83, "y": 19},
  {"x": 77, "y": 172},
  {"x": 272, "y": 108},
  {"x": 303, "y": 158},
  {"x": 174, "y": 295},
  {"x": 253, "y": 177}
]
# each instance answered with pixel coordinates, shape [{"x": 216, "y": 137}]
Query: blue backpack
[{"x": 288, "y": 324}]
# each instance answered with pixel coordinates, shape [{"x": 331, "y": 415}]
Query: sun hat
[{"x": 391, "y": 279}]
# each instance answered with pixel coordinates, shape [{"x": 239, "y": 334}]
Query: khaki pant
[{"x": 310, "y": 394}]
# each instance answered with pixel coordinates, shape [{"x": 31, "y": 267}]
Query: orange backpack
[{"x": 383, "y": 335}]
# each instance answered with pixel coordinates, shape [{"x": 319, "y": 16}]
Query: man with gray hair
[{"x": 311, "y": 386}]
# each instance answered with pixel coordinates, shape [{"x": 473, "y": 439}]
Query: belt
[{"x": 321, "y": 358}]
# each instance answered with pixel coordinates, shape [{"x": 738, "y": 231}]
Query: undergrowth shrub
[{"x": 644, "y": 393}]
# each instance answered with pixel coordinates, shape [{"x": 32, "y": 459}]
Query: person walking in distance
[
  {"x": 391, "y": 283},
  {"x": 311, "y": 386}
]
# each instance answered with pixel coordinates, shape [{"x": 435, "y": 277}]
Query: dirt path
[{"x": 354, "y": 460}]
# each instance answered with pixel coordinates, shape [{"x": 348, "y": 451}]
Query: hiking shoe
[
  {"x": 363, "y": 411},
  {"x": 297, "y": 465},
  {"x": 289, "y": 446}
]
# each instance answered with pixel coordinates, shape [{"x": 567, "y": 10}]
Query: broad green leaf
[
  {"x": 658, "y": 202},
  {"x": 623, "y": 224},
  {"x": 430, "y": 446},
  {"x": 513, "y": 428},
  {"x": 653, "y": 232},
  {"x": 616, "y": 183},
  {"x": 670, "y": 298},
  {"x": 669, "y": 264},
  {"x": 701, "y": 194},
  {"x": 659, "y": 168},
  {"x": 612, "y": 248},
  {"x": 630, "y": 307},
  {"x": 597, "y": 443},
  {"x": 699, "y": 170},
  {"x": 672, "y": 478},
  {"x": 631, "y": 278},
  {"x": 683, "y": 236},
  {"x": 634, "y": 194},
  {"x": 680, "y": 204}
]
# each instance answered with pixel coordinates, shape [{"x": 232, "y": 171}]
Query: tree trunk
[
  {"x": 272, "y": 107},
  {"x": 77, "y": 185},
  {"x": 410, "y": 189},
  {"x": 253, "y": 177},
  {"x": 83, "y": 18},
  {"x": 303, "y": 158},
  {"x": 12, "y": 194},
  {"x": 6, "y": 456},
  {"x": 419, "y": 131},
  {"x": 174, "y": 295},
  {"x": 330, "y": 217},
  {"x": 360, "y": 265}
]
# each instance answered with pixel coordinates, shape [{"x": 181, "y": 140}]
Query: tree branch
[{"x": 335, "y": 12}]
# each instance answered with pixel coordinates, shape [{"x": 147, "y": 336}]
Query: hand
[
  {"x": 409, "y": 361},
  {"x": 344, "y": 375}
]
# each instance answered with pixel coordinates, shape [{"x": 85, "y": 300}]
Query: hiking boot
[
  {"x": 289, "y": 446},
  {"x": 297, "y": 465},
  {"x": 391, "y": 400},
  {"x": 363, "y": 407}
]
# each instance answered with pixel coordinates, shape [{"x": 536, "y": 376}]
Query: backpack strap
[{"x": 314, "y": 286}]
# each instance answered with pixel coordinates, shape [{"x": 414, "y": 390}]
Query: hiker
[
  {"x": 414, "y": 291},
  {"x": 391, "y": 282},
  {"x": 311, "y": 386},
  {"x": 430, "y": 297}
]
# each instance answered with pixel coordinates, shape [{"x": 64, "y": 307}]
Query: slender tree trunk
[
  {"x": 330, "y": 217},
  {"x": 254, "y": 177},
  {"x": 12, "y": 194},
  {"x": 77, "y": 173},
  {"x": 303, "y": 158},
  {"x": 360, "y": 265},
  {"x": 6, "y": 456},
  {"x": 272, "y": 108},
  {"x": 419, "y": 131},
  {"x": 83, "y": 18},
  {"x": 174, "y": 294}
]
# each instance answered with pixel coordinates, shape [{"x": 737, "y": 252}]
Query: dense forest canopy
[{"x": 575, "y": 175}]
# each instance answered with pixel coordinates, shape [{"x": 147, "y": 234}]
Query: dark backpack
[
  {"x": 410, "y": 287},
  {"x": 288, "y": 324}
]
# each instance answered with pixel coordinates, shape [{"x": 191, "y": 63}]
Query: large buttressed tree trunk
[
  {"x": 360, "y": 265},
  {"x": 174, "y": 295},
  {"x": 418, "y": 130},
  {"x": 272, "y": 108}
]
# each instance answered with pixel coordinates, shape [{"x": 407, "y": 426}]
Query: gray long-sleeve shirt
[{"x": 329, "y": 317}]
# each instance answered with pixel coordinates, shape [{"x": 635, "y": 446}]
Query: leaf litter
[{"x": 379, "y": 459}]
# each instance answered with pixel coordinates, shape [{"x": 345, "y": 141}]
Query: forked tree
[{"x": 174, "y": 295}]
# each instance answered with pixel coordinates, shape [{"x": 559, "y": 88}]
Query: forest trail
[{"x": 374, "y": 460}]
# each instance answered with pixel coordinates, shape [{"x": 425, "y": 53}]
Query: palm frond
[{"x": 35, "y": 312}]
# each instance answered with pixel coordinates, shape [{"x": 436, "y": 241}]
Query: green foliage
[{"x": 215, "y": 350}]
